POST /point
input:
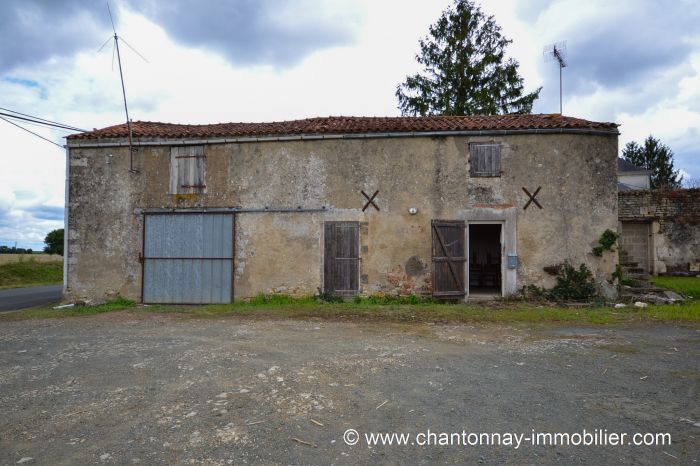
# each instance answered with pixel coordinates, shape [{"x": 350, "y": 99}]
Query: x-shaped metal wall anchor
[
  {"x": 370, "y": 200},
  {"x": 532, "y": 198}
]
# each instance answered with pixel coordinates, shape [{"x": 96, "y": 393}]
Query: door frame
[{"x": 503, "y": 250}]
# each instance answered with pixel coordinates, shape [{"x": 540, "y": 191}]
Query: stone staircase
[
  {"x": 632, "y": 271},
  {"x": 641, "y": 288}
]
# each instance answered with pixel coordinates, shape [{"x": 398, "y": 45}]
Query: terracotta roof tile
[{"x": 346, "y": 125}]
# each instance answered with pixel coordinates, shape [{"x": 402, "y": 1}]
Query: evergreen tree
[
  {"x": 657, "y": 158},
  {"x": 465, "y": 71}
]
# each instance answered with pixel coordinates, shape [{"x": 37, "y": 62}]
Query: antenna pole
[
  {"x": 559, "y": 56},
  {"x": 561, "y": 112},
  {"x": 126, "y": 108}
]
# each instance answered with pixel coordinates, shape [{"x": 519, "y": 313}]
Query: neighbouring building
[
  {"x": 630, "y": 177},
  {"x": 660, "y": 230},
  {"x": 453, "y": 207}
]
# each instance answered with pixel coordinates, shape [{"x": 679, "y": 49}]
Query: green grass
[
  {"x": 687, "y": 286},
  {"x": 284, "y": 307},
  {"x": 118, "y": 304},
  {"x": 496, "y": 312},
  {"x": 30, "y": 273}
]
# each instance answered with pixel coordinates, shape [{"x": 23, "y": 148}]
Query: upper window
[
  {"x": 187, "y": 168},
  {"x": 484, "y": 159}
]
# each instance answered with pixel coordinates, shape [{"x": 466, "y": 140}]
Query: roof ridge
[{"x": 348, "y": 125}]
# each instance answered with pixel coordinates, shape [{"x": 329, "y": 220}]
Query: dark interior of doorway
[{"x": 484, "y": 259}]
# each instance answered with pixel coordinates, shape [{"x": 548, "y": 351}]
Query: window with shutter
[
  {"x": 187, "y": 169},
  {"x": 485, "y": 159}
]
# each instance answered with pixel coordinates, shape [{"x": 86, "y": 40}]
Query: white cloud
[{"x": 196, "y": 84}]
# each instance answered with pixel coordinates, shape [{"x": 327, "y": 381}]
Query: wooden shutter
[
  {"x": 485, "y": 159},
  {"x": 448, "y": 258},
  {"x": 187, "y": 169},
  {"x": 341, "y": 268}
]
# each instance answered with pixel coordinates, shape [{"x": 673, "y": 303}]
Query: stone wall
[
  {"x": 674, "y": 217},
  {"x": 283, "y": 252}
]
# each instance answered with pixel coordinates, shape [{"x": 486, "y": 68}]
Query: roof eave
[{"x": 158, "y": 141}]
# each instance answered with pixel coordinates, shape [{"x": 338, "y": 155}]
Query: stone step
[
  {"x": 631, "y": 292},
  {"x": 642, "y": 279},
  {"x": 633, "y": 270}
]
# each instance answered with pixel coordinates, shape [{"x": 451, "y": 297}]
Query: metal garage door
[{"x": 187, "y": 258}]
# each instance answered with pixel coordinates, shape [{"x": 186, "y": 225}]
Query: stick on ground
[{"x": 303, "y": 442}]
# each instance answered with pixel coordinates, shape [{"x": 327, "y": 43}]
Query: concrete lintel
[{"x": 214, "y": 210}]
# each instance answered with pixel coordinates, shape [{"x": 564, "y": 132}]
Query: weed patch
[{"x": 388, "y": 299}]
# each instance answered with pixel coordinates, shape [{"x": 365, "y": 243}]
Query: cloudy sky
[{"x": 634, "y": 62}]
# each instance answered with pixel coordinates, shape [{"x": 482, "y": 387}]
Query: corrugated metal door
[
  {"x": 341, "y": 272},
  {"x": 448, "y": 258},
  {"x": 188, "y": 258}
]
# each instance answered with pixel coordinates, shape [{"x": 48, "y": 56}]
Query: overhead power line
[
  {"x": 40, "y": 121},
  {"x": 44, "y": 126},
  {"x": 32, "y": 132}
]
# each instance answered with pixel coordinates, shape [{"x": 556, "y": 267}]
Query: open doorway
[{"x": 485, "y": 276}]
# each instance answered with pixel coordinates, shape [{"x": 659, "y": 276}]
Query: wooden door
[
  {"x": 634, "y": 241},
  {"x": 341, "y": 270},
  {"x": 448, "y": 258}
]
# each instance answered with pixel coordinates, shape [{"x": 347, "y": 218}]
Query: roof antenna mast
[
  {"x": 121, "y": 76},
  {"x": 557, "y": 52}
]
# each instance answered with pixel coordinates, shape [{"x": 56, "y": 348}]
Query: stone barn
[{"x": 448, "y": 206}]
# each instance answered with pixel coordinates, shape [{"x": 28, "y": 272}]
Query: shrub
[{"x": 573, "y": 284}]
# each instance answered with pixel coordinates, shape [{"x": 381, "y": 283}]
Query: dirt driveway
[{"x": 127, "y": 388}]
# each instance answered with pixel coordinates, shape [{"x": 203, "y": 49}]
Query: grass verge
[
  {"x": 687, "y": 286},
  {"x": 283, "y": 307},
  {"x": 118, "y": 304},
  {"x": 30, "y": 273},
  {"x": 434, "y": 312}
]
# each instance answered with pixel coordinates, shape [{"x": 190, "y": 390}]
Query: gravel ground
[{"x": 126, "y": 388}]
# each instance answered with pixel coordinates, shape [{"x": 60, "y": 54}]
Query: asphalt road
[{"x": 20, "y": 298}]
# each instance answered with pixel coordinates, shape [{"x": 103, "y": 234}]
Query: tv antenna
[
  {"x": 116, "y": 39},
  {"x": 557, "y": 52}
]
